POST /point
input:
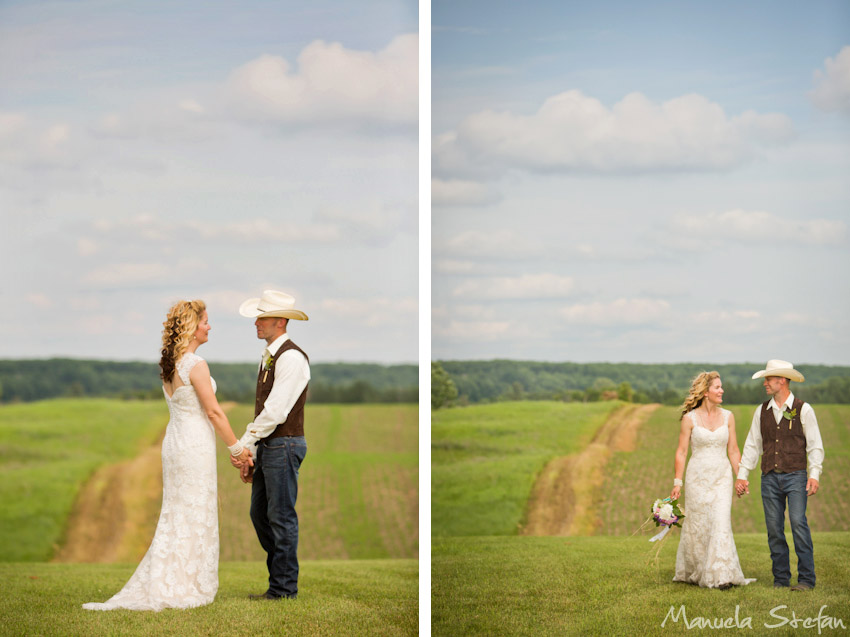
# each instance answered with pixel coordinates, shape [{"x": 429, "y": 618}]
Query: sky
[
  {"x": 155, "y": 151},
  {"x": 643, "y": 182}
]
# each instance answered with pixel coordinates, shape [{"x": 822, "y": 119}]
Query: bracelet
[
  {"x": 236, "y": 449},
  {"x": 677, "y": 482}
]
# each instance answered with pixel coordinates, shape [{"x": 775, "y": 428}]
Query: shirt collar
[
  {"x": 276, "y": 344},
  {"x": 788, "y": 403}
]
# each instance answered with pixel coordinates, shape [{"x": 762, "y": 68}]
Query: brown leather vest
[
  {"x": 783, "y": 443},
  {"x": 294, "y": 423}
]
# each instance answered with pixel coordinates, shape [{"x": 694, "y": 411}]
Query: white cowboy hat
[
  {"x": 272, "y": 303},
  {"x": 780, "y": 368}
]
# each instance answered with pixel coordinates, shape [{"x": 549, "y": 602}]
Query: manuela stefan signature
[{"x": 778, "y": 618}]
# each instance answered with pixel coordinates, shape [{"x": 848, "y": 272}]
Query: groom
[
  {"x": 785, "y": 434},
  {"x": 276, "y": 438}
]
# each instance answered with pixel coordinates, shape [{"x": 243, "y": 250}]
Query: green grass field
[
  {"x": 336, "y": 597},
  {"x": 604, "y": 586},
  {"x": 635, "y": 479},
  {"x": 358, "y": 488},
  {"x": 487, "y": 583},
  {"x": 358, "y": 500},
  {"x": 48, "y": 449},
  {"x": 484, "y": 459}
]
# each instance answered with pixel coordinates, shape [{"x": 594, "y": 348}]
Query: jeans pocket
[{"x": 297, "y": 453}]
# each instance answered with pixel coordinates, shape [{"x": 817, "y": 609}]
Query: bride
[
  {"x": 180, "y": 569},
  {"x": 707, "y": 555}
]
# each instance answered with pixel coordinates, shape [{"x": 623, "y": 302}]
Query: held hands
[
  {"x": 243, "y": 459},
  {"x": 742, "y": 487},
  {"x": 245, "y": 463}
]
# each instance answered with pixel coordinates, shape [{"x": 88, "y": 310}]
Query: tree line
[
  {"x": 468, "y": 382},
  {"x": 31, "y": 380}
]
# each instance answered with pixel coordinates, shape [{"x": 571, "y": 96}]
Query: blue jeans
[
  {"x": 273, "y": 495},
  {"x": 776, "y": 488}
]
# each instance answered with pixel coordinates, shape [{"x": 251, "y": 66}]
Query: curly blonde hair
[
  {"x": 699, "y": 387},
  {"x": 179, "y": 327}
]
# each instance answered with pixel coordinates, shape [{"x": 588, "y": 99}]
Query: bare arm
[
  {"x": 200, "y": 378},
  {"x": 681, "y": 455},
  {"x": 732, "y": 447}
]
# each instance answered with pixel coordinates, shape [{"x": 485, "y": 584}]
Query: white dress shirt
[
  {"x": 291, "y": 375},
  {"x": 753, "y": 446}
]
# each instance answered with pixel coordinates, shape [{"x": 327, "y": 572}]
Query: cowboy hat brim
[
  {"x": 790, "y": 374},
  {"x": 249, "y": 309}
]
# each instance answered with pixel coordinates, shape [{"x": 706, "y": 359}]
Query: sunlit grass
[
  {"x": 484, "y": 459},
  {"x": 348, "y": 597}
]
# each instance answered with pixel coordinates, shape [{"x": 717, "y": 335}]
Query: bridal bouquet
[{"x": 665, "y": 513}]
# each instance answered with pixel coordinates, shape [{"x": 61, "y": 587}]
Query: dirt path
[
  {"x": 115, "y": 514},
  {"x": 562, "y": 499}
]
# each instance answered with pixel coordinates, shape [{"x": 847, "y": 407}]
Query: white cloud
[
  {"x": 739, "y": 321},
  {"x": 371, "y": 222},
  {"x": 456, "y": 266},
  {"x": 472, "y": 331},
  {"x": 331, "y": 84},
  {"x": 327, "y": 226},
  {"x": 760, "y": 226},
  {"x": 160, "y": 118},
  {"x": 86, "y": 247},
  {"x": 489, "y": 244},
  {"x": 39, "y": 300},
  {"x": 25, "y": 143},
  {"x": 572, "y": 132},
  {"x": 191, "y": 105},
  {"x": 370, "y": 312},
  {"x": 248, "y": 230},
  {"x": 638, "y": 311},
  {"x": 832, "y": 85},
  {"x": 457, "y": 192},
  {"x": 127, "y": 273},
  {"x": 527, "y": 286},
  {"x": 117, "y": 274}
]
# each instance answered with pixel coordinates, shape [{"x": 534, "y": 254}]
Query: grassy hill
[
  {"x": 484, "y": 459},
  {"x": 486, "y": 582},
  {"x": 634, "y": 479},
  {"x": 604, "y": 586},
  {"x": 358, "y": 488},
  {"x": 336, "y": 597},
  {"x": 48, "y": 449},
  {"x": 358, "y": 494}
]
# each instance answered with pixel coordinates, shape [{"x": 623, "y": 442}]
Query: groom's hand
[
  {"x": 246, "y": 458},
  {"x": 812, "y": 486},
  {"x": 742, "y": 487},
  {"x": 246, "y": 472}
]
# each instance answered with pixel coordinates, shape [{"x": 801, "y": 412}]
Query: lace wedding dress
[
  {"x": 707, "y": 554},
  {"x": 180, "y": 569}
]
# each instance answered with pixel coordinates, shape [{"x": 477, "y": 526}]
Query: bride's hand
[
  {"x": 245, "y": 457},
  {"x": 674, "y": 494}
]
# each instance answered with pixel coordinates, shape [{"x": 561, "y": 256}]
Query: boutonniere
[
  {"x": 268, "y": 362},
  {"x": 789, "y": 416}
]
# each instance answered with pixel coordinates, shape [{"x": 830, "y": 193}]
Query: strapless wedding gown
[
  {"x": 707, "y": 555},
  {"x": 180, "y": 569}
]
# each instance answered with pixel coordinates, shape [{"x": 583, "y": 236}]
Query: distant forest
[
  {"x": 30, "y": 380},
  {"x": 497, "y": 380}
]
